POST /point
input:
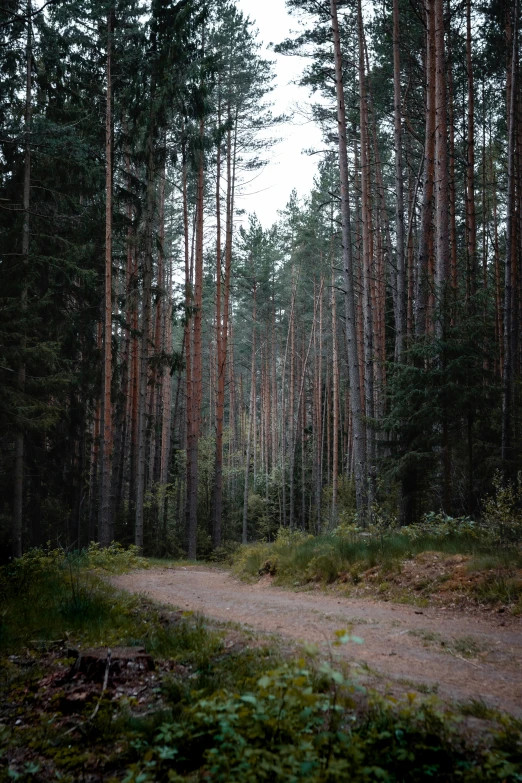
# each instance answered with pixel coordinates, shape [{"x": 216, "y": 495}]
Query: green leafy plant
[
  {"x": 503, "y": 512},
  {"x": 115, "y": 557},
  {"x": 302, "y": 723}
]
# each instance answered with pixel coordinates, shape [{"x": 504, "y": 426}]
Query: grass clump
[
  {"x": 376, "y": 559},
  {"x": 47, "y": 596},
  {"x": 50, "y": 595},
  {"x": 114, "y": 558}
]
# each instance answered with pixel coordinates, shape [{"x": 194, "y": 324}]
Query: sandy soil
[{"x": 460, "y": 656}]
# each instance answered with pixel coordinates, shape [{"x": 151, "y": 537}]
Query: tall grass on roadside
[
  {"x": 295, "y": 558},
  {"x": 49, "y": 596},
  {"x": 52, "y": 595}
]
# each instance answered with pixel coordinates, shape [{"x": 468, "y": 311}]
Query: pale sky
[{"x": 289, "y": 167}]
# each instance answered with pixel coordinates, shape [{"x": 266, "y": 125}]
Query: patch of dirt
[
  {"x": 461, "y": 655},
  {"x": 50, "y": 699},
  {"x": 436, "y": 577}
]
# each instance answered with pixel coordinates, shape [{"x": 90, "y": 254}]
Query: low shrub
[
  {"x": 297, "y": 724},
  {"x": 503, "y": 511},
  {"x": 114, "y": 558}
]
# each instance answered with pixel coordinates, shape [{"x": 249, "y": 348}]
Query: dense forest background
[{"x": 175, "y": 375}]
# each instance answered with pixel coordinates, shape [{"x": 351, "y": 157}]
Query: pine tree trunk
[
  {"x": 367, "y": 255},
  {"x": 452, "y": 181},
  {"x": 144, "y": 342},
  {"x": 222, "y": 325},
  {"x": 442, "y": 246},
  {"x": 377, "y": 274},
  {"x": 18, "y": 504},
  {"x": 197, "y": 358},
  {"x": 166, "y": 413},
  {"x": 134, "y": 391},
  {"x": 105, "y": 526},
  {"x": 274, "y": 408},
  {"x": 335, "y": 404},
  {"x": 400, "y": 318},
  {"x": 359, "y": 435},
  {"x": 471, "y": 223},
  {"x": 187, "y": 342},
  {"x": 284, "y": 412},
  {"x": 426, "y": 218},
  {"x": 291, "y": 421},
  {"x": 507, "y": 373},
  {"x": 217, "y": 488},
  {"x": 251, "y": 414}
]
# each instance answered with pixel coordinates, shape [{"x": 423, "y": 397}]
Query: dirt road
[{"x": 459, "y": 656}]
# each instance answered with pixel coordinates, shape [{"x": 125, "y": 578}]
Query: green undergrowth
[
  {"x": 297, "y": 724},
  {"x": 295, "y": 559},
  {"x": 46, "y": 597},
  {"x": 224, "y": 706}
]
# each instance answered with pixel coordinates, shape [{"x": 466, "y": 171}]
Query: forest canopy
[{"x": 174, "y": 374}]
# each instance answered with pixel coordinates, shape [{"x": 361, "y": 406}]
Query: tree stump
[{"x": 93, "y": 662}]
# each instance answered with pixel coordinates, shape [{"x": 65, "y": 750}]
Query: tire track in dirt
[{"x": 460, "y": 656}]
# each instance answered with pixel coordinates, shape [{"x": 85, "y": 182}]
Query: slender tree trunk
[
  {"x": 300, "y": 403},
  {"x": 442, "y": 246},
  {"x": 251, "y": 414},
  {"x": 471, "y": 222},
  {"x": 197, "y": 367},
  {"x": 274, "y": 409},
  {"x": 291, "y": 420},
  {"x": 426, "y": 228},
  {"x": 335, "y": 403},
  {"x": 283, "y": 400},
  {"x": 18, "y": 505},
  {"x": 319, "y": 487},
  {"x": 105, "y": 526},
  {"x": 217, "y": 488},
  {"x": 367, "y": 256},
  {"x": 223, "y": 327},
  {"x": 144, "y": 341},
  {"x": 382, "y": 244},
  {"x": 359, "y": 435},
  {"x": 451, "y": 163},
  {"x": 157, "y": 370},
  {"x": 134, "y": 390},
  {"x": 95, "y": 447},
  {"x": 167, "y": 387},
  {"x": 189, "y": 391},
  {"x": 400, "y": 318},
  {"x": 507, "y": 374}
]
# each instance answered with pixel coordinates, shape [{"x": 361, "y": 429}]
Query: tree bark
[
  {"x": 144, "y": 341},
  {"x": 368, "y": 308},
  {"x": 442, "y": 246},
  {"x": 222, "y": 319},
  {"x": 471, "y": 222},
  {"x": 400, "y": 318},
  {"x": 507, "y": 374},
  {"x": 251, "y": 414},
  {"x": 105, "y": 526},
  {"x": 335, "y": 403},
  {"x": 426, "y": 227},
  {"x": 18, "y": 505},
  {"x": 359, "y": 435},
  {"x": 197, "y": 357}
]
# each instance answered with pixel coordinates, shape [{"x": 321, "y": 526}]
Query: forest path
[{"x": 459, "y": 655}]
